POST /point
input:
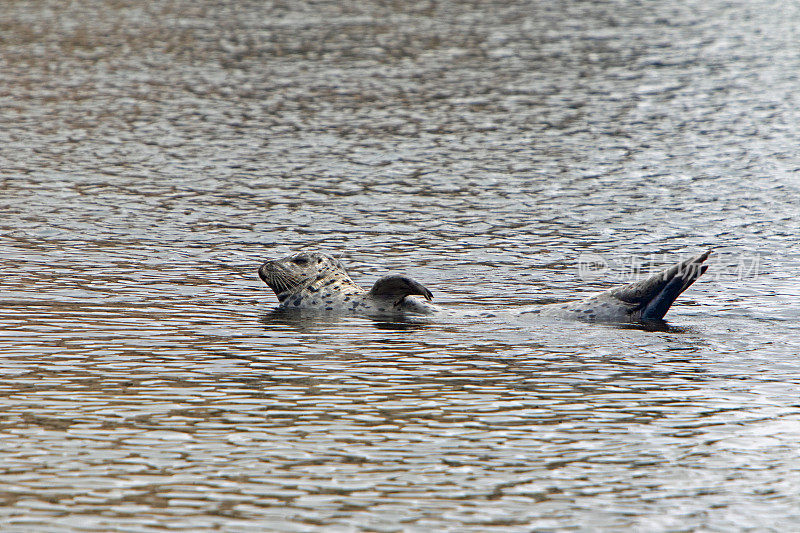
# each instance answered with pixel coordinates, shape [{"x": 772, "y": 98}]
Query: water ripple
[{"x": 154, "y": 154}]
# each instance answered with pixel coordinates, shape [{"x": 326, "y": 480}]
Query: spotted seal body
[
  {"x": 318, "y": 282},
  {"x": 315, "y": 281}
]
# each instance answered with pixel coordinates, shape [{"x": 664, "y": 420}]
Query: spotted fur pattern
[
  {"x": 643, "y": 301},
  {"x": 316, "y": 281},
  {"x": 319, "y": 282}
]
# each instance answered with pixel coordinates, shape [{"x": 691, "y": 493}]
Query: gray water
[{"x": 152, "y": 153}]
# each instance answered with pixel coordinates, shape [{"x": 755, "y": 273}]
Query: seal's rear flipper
[
  {"x": 397, "y": 287},
  {"x": 652, "y": 297}
]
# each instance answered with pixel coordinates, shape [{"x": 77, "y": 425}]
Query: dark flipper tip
[{"x": 397, "y": 287}]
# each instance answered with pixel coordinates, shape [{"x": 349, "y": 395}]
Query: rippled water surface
[{"x": 152, "y": 153}]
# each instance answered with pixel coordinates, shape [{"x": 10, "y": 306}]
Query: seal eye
[{"x": 299, "y": 260}]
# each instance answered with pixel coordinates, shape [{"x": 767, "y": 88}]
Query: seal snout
[
  {"x": 278, "y": 277},
  {"x": 263, "y": 271}
]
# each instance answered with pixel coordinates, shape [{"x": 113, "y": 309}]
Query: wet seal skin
[
  {"x": 644, "y": 301},
  {"x": 318, "y": 282}
]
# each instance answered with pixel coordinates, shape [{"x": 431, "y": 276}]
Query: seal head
[{"x": 300, "y": 271}]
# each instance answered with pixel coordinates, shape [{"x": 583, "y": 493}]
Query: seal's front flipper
[{"x": 397, "y": 287}]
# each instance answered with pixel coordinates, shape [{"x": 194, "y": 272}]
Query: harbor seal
[{"x": 318, "y": 282}]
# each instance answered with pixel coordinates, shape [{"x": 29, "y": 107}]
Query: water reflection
[
  {"x": 304, "y": 319},
  {"x": 154, "y": 154}
]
